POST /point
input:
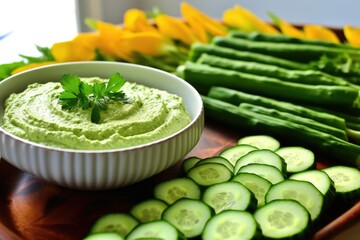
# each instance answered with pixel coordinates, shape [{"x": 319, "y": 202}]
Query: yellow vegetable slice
[
  {"x": 109, "y": 35},
  {"x": 234, "y": 18},
  {"x": 135, "y": 20},
  {"x": 90, "y": 39},
  {"x": 72, "y": 51},
  {"x": 175, "y": 28},
  {"x": 319, "y": 32},
  {"x": 197, "y": 29},
  {"x": 211, "y": 25},
  {"x": 290, "y": 30},
  {"x": 148, "y": 43},
  {"x": 81, "y": 48},
  {"x": 352, "y": 35},
  {"x": 242, "y": 18}
]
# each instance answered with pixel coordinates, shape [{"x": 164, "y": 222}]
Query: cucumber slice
[
  {"x": 174, "y": 189},
  {"x": 148, "y": 210},
  {"x": 263, "y": 156},
  {"x": 210, "y": 173},
  {"x": 229, "y": 195},
  {"x": 104, "y": 236},
  {"x": 232, "y": 154},
  {"x": 297, "y": 158},
  {"x": 260, "y": 142},
  {"x": 270, "y": 173},
  {"x": 321, "y": 181},
  {"x": 189, "y": 216},
  {"x": 159, "y": 229},
  {"x": 217, "y": 159},
  {"x": 346, "y": 180},
  {"x": 283, "y": 219},
  {"x": 121, "y": 223},
  {"x": 189, "y": 163},
  {"x": 231, "y": 224},
  {"x": 256, "y": 184},
  {"x": 303, "y": 192}
]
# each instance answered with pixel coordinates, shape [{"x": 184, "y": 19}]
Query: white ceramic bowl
[{"x": 102, "y": 169}]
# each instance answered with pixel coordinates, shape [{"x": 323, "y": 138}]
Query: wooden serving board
[{"x": 33, "y": 209}]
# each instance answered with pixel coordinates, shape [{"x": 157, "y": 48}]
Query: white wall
[{"x": 35, "y": 22}]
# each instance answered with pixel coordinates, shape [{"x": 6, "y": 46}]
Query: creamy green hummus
[{"x": 36, "y": 115}]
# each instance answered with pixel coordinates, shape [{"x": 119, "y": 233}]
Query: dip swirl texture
[{"x": 36, "y": 115}]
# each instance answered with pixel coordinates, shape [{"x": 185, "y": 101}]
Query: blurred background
[{"x": 44, "y": 22}]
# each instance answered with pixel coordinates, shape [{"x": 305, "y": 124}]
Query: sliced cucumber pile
[
  {"x": 120, "y": 223},
  {"x": 259, "y": 191},
  {"x": 347, "y": 182},
  {"x": 159, "y": 229}
]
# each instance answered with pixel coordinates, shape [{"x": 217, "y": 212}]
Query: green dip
[{"x": 36, "y": 115}]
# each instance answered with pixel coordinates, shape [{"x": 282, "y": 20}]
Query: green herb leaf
[
  {"x": 79, "y": 94},
  {"x": 95, "y": 114},
  {"x": 45, "y": 56},
  {"x": 71, "y": 84},
  {"x": 116, "y": 81},
  {"x": 7, "y": 68}
]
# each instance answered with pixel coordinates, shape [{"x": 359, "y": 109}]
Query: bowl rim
[{"x": 199, "y": 114}]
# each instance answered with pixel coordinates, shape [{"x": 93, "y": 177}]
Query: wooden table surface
[{"x": 33, "y": 209}]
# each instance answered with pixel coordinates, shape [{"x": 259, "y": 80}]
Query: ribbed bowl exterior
[{"x": 102, "y": 169}]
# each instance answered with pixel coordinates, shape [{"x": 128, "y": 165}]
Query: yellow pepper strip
[
  {"x": 72, "y": 51},
  {"x": 234, "y": 18},
  {"x": 290, "y": 30},
  {"x": 175, "y": 28},
  {"x": 90, "y": 39},
  {"x": 148, "y": 43},
  {"x": 31, "y": 66},
  {"x": 243, "y": 19},
  {"x": 135, "y": 20},
  {"x": 352, "y": 35},
  {"x": 247, "y": 21},
  {"x": 319, "y": 32},
  {"x": 198, "y": 30},
  {"x": 109, "y": 36},
  {"x": 81, "y": 48},
  {"x": 212, "y": 26}
]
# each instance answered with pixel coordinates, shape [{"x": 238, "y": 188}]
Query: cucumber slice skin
[
  {"x": 159, "y": 229},
  {"x": 270, "y": 173},
  {"x": 189, "y": 216},
  {"x": 346, "y": 181},
  {"x": 148, "y": 210},
  {"x": 171, "y": 190},
  {"x": 284, "y": 219},
  {"x": 232, "y": 224},
  {"x": 233, "y": 153},
  {"x": 121, "y": 223},
  {"x": 217, "y": 159},
  {"x": 210, "y": 173},
  {"x": 259, "y": 186},
  {"x": 321, "y": 181},
  {"x": 303, "y": 192},
  {"x": 104, "y": 236},
  {"x": 260, "y": 142},
  {"x": 229, "y": 195},
  {"x": 189, "y": 163},
  {"x": 297, "y": 159},
  {"x": 263, "y": 156}
]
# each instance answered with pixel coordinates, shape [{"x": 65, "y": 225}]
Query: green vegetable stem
[
  {"x": 200, "y": 74},
  {"x": 338, "y": 149}
]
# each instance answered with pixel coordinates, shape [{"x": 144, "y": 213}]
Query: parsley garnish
[{"x": 79, "y": 94}]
